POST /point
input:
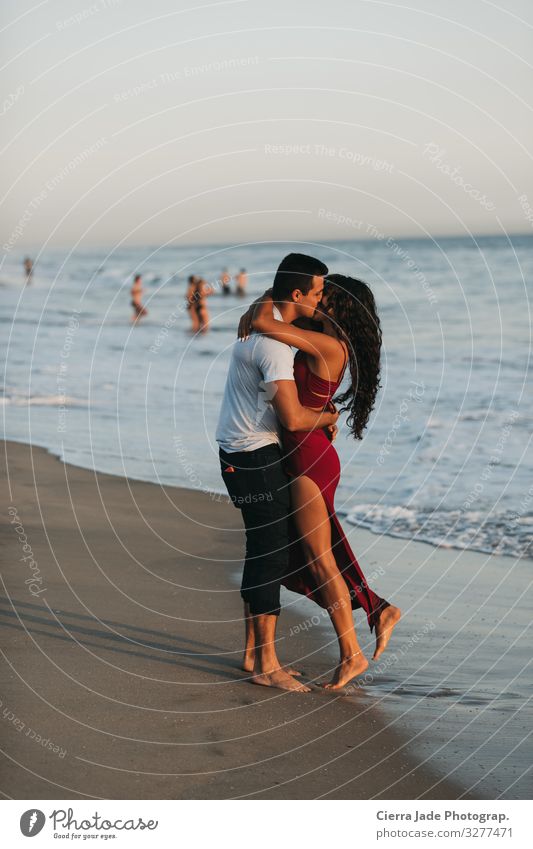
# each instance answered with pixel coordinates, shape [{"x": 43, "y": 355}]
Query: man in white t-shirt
[
  {"x": 247, "y": 418},
  {"x": 260, "y": 393}
]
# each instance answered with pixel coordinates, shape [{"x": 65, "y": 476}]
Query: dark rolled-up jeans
[{"x": 259, "y": 488}]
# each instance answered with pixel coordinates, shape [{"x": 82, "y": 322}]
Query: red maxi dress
[{"x": 311, "y": 453}]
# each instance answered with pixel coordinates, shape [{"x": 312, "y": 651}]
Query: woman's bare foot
[
  {"x": 280, "y": 679},
  {"x": 348, "y": 668},
  {"x": 388, "y": 618},
  {"x": 248, "y": 665}
]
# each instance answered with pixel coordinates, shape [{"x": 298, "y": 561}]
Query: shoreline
[
  {"x": 213, "y": 494},
  {"x": 126, "y": 656}
]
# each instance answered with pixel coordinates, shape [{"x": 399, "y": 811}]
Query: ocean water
[{"x": 446, "y": 457}]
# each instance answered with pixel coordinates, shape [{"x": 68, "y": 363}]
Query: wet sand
[
  {"x": 456, "y": 679},
  {"x": 121, "y": 636}
]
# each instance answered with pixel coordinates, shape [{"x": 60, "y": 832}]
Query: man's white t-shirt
[{"x": 247, "y": 419}]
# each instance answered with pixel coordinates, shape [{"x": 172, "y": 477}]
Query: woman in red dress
[{"x": 323, "y": 566}]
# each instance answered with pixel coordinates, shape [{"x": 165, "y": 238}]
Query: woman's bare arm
[
  {"x": 316, "y": 344},
  {"x": 245, "y": 323}
]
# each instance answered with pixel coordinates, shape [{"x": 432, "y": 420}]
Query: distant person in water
[
  {"x": 242, "y": 281},
  {"x": 225, "y": 280},
  {"x": 136, "y": 299},
  {"x": 28, "y": 269},
  {"x": 202, "y": 291},
  {"x": 198, "y": 290},
  {"x": 190, "y": 298}
]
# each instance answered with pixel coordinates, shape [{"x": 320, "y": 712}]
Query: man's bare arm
[{"x": 284, "y": 399}]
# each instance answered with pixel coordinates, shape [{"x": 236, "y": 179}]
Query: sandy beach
[{"x": 121, "y": 658}]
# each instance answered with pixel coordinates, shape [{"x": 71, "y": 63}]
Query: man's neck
[{"x": 287, "y": 310}]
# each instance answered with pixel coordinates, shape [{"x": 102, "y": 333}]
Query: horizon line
[{"x": 152, "y": 247}]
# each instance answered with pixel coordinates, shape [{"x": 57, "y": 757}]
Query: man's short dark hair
[{"x": 296, "y": 271}]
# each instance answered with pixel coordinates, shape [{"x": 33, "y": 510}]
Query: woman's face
[{"x": 323, "y": 306}]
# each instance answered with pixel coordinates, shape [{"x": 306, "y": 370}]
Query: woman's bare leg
[
  {"x": 203, "y": 319},
  {"x": 195, "y": 321},
  {"x": 313, "y": 528}
]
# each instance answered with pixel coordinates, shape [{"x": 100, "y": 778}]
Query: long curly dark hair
[{"x": 352, "y": 308}]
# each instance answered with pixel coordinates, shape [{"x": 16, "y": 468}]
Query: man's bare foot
[
  {"x": 292, "y": 671},
  {"x": 248, "y": 665},
  {"x": 280, "y": 679},
  {"x": 348, "y": 668},
  {"x": 388, "y": 618},
  {"x": 248, "y": 661}
]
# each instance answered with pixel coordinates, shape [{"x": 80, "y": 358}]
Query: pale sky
[{"x": 195, "y": 122}]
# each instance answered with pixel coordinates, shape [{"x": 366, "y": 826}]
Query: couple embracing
[{"x": 275, "y": 433}]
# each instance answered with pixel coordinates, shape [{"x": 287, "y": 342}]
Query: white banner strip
[{"x": 265, "y": 824}]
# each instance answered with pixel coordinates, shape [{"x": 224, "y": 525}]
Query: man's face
[{"x": 306, "y": 304}]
